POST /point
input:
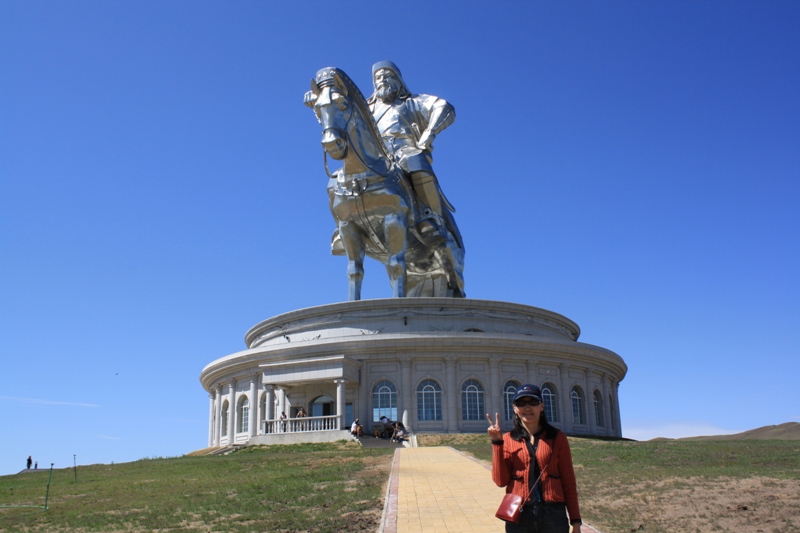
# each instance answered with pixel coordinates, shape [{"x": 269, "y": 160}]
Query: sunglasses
[{"x": 522, "y": 402}]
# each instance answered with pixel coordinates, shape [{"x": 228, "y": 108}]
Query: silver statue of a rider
[
  {"x": 408, "y": 124},
  {"x": 385, "y": 198}
]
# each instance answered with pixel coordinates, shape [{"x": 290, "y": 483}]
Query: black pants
[{"x": 541, "y": 518}]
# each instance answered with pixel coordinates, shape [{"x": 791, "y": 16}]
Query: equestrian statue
[{"x": 385, "y": 198}]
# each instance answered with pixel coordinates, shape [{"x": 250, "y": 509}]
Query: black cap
[{"x": 528, "y": 390}]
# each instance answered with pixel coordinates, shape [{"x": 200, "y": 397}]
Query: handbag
[{"x": 510, "y": 508}]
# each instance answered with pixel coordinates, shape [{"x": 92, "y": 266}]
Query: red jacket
[{"x": 511, "y": 466}]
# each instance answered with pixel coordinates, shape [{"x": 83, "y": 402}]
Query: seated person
[
  {"x": 399, "y": 434},
  {"x": 356, "y": 429},
  {"x": 376, "y": 430}
]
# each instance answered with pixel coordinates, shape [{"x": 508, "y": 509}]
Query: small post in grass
[
  {"x": 75, "y": 467},
  {"x": 47, "y": 492}
]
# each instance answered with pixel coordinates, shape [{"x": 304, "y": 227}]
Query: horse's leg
[
  {"x": 451, "y": 257},
  {"x": 354, "y": 246},
  {"x": 395, "y": 232}
]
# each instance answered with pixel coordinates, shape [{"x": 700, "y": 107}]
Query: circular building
[{"x": 437, "y": 364}]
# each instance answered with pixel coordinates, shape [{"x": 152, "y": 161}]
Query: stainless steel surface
[{"x": 385, "y": 198}]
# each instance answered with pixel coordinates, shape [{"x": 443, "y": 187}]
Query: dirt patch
[
  {"x": 698, "y": 504},
  {"x": 361, "y": 521},
  {"x": 446, "y": 439},
  {"x": 380, "y": 464}
]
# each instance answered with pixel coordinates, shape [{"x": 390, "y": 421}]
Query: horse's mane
[{"x": 361, "y": 103}]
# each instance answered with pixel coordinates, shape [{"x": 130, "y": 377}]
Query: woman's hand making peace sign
[{"x": 494, "y": 431}]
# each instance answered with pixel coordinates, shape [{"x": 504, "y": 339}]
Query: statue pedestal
[{"x": 446, "y": 361}]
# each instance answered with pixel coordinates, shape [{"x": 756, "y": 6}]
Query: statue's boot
[
  {"x": 337, "y": 246},
  {"x": 431, "y": 229},
  {"x": 432, "y": 226}
]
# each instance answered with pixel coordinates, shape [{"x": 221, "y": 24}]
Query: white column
[
  {"x": 218, "y": 421},
  {"x": 589, "y": 403},
  {"x": 253, "y": 399},
  {"x": 282, "y": 401},
  {"x": 451, "y": 396},
  {"x": 269, "y": 406},
  {"x": 606, "y": 406},
  {"x": 231, "y": 412},
  {"x": 615, "y": 392},
  {"x": 365, "y": 398},
  {"x": 211, "y": 418},
  {"x": 494, "y": 403},
  {"x": 533, "y": 372},
  {"x": 260, "y": 414},
  {"x": 340, "y": 402},
  {"x": 405, "y": 392},
  {"x": 566, "y": 399}
]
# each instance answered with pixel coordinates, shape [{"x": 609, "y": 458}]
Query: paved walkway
[{"x": 440, "y": 490}]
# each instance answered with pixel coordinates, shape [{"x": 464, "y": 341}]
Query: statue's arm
[
  {"x": 439, "y": 113},
  {"x": 309, "y": 99}
]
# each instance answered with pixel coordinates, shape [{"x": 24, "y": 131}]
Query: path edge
[{"x": 389, "y": 515}]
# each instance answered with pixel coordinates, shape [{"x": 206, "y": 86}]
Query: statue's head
[{"x": 388, "y": 82}]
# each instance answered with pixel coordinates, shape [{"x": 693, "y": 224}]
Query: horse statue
[{"x": 373, "y": 202}]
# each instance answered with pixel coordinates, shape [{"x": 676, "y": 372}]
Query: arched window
[
  {"x": 578, "y": 412},
  {"x": 243, "y": 415},
  {"x": 472, "y": 400},
  {"x": 384, "y": 400},
  {"x": 509, "y": 390},
  {"x": 224, "y": 424},
  {"x": 550, "y": 398},
  {"x": 429, "y": 400},
  {"x": 599, "y": 418}
]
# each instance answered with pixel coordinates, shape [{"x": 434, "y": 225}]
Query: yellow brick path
[{"x": 441, "y": 490}]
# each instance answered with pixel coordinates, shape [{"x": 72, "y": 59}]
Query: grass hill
[
  {"x": 656, "y": 487},
  {"x": 312, "y": 487},
  {"x": 787, "y": 431}
]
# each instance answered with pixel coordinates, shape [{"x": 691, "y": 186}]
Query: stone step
[
  {"x": 373, "y": 442},
  {"x": 225, "y": 450}
]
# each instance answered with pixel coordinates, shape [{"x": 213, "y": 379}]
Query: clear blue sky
[{"x": 634, "y": 166}]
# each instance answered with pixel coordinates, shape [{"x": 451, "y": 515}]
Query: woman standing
[{"x": 549, "y": 479}]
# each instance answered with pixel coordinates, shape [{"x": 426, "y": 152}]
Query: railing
[{"x": 302, "y": 425}]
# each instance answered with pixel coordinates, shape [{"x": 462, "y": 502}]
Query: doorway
[{"x": 323, "y": 406}]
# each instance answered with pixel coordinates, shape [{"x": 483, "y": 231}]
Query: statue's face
[{"x": 387, "y": 84}]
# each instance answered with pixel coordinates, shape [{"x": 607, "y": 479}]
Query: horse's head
[{"x": 334, "y": 110}]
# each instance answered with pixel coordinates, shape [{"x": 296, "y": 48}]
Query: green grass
[
  {"x": 678, "y": 486},
  {"x": 310, "y": 487},
  {"x": 667, "y": 486},
  {"x": 599, "y": 459}
]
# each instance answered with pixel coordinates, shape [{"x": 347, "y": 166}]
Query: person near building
[
  {"x": 534, "y": 461},
  {"x": 399, "y": 434}
]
